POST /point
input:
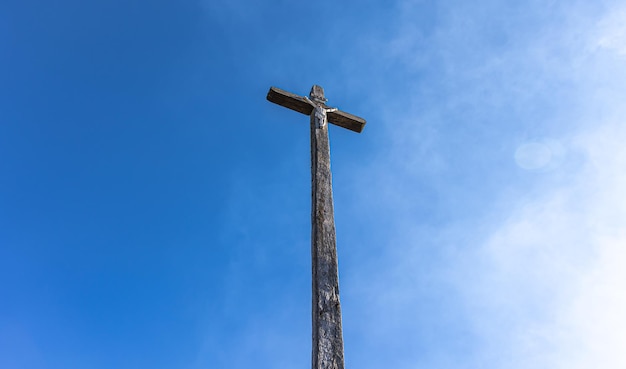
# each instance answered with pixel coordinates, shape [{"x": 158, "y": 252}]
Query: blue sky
[{"x": 155, "y": 208}]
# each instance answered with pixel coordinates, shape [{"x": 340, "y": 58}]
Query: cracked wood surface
[
  {"x": 327, "y": 350},
  {"x": 326, "y": 312}
]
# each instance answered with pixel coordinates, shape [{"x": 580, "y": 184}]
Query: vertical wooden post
[{"x": 327, "y": 334}]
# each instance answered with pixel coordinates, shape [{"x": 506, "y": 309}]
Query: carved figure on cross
[{"x": 320, "y": 111}]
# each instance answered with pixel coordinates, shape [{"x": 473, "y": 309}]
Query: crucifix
[{"x": 326, "y": 313}]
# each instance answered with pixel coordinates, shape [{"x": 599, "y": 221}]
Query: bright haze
[{"x": 155, "y": 208}]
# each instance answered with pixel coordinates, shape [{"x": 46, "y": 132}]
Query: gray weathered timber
[
  {"x": 327, "y": 335},
  {"x": 289, "y": 100},
  {"x": 301, "y": 105},
  {"x": 326, "y": 314}
]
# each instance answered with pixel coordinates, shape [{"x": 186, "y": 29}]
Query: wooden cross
[{"x": 327, "y": 334}]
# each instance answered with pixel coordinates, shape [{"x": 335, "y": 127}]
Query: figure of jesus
[{"x": 320, "y": 112}]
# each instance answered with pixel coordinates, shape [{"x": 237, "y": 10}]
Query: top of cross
[{"x": 317, "y": 94}]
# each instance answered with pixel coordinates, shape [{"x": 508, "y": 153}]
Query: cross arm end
[
  {"x": 289, "y": 100},
  {"x": 346, "y": 120}
]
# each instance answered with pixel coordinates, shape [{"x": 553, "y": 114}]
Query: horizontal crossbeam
[{"x": 301, "y": 105}]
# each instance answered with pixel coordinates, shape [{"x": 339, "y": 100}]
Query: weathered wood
[
  {"x": 326, "y": 314},
  {"x": 327, "y": 335},
  {"x": 299, "y": 104},
  {"x": 289, "y": 100},
  {"x": 347, "y": 120}
]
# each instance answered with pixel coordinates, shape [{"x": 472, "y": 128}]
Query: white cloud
[
  {"x": 539, "y": 274},
  {"x": 613, "y": 32},
  {"x": 552, "y": 290}
]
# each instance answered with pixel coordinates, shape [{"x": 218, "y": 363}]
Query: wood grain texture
[
  {"x": 326, "y": 313},
  {"x": 327, "y": 351},
  {"x": 346, "y": 120},
  {"x": 289, "y": 100},
  {"x": 299, "y": 104}
]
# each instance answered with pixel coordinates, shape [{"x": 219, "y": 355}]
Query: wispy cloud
[
  {"x": 504, "y": 265},
  {"x": 487, "y": 220}
]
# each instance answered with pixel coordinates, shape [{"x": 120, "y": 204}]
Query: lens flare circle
[{"x": 533, "y": 156}]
